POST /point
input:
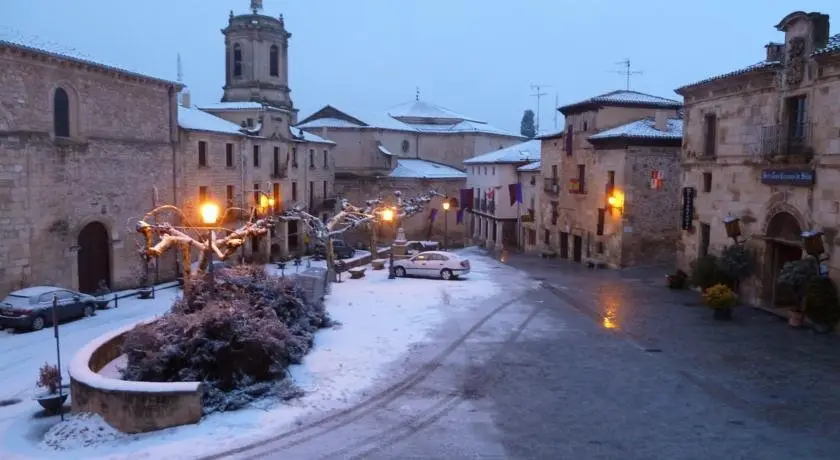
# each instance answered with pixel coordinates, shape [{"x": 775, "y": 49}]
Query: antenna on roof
[
  {"x": 256, "y": 6},
  {"x": 538, "y": 95},
  {"x": 417, "y": 94},
  {"x": 626, "y": 72}
]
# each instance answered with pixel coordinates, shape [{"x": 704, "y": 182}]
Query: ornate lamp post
[
  {"x": 388, "y": 216},
  {"x": 445, "y": 223},
  {"x": 209, "y": 216},
  {"x": 733, "y": 228},
  {"x": 812, "y": 242}
]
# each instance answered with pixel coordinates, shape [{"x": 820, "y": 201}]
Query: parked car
[
  {"x": 32, "y": 307},
  {"x": 433, "y": 264},
  {"x": 340, "y": 249},
  {"x": 416, "y": 247}
]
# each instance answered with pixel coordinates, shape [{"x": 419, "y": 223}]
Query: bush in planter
[
  {"x": 821, "y": 301},
  {"x": 735, "y": 262},
  {"x": 706, "y": 272},
  {"x": 720, "y": 296},
  {"x": 796, "y": 274},
  {"x": 49, "y": 378}
]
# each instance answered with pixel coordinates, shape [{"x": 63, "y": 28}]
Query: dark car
[
  {"x": 32, "y": 308},
  {"x": 340, "y": 249}
]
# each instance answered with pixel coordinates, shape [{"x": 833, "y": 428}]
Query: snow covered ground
[{"x": 381, "y": 321}]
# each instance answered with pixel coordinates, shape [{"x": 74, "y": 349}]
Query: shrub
[
  {"x": 735, "y": 262},
  {"x": 49, "y": 378},
  {"x": 706, "y": 272},
  {"x": 821, "y": 301},
  {"x": 796, "y": 274},
  {"x": 720, "y": 296},
  {"x": 245, "y": 333}
]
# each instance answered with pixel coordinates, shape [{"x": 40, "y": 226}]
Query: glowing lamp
[
  {"x": 209, "y": 213},
  {"x": 263, "y": 201},
  {"x": 446, "y": 205},
  {"x": 387, "y": 215},
  {"x": 616, "y": 200}
]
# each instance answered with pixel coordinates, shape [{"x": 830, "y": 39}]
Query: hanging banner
[{"x": 687, "y": 208}]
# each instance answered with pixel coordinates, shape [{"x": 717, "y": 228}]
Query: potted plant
[
  {"x": 821, "y": 304},
  {"x": 721, "y": 299},
  {"x": 677, "y": 280},
  {"x": 795, "y": 275},
  {"x": 49, "y": 380},
  {"x": 735, "y": 263},
  {"x": 706, "y": 272}
]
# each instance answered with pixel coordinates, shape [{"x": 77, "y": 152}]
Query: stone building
[
  {"x": 495, "y": 219},
  {"x": 78, "y": 165},
  {"x": 761, "y": 144},
  {"x": 414, "y": 146},
  {"x": 529, "y": 177},
  {"x": 610, "y": 178}
]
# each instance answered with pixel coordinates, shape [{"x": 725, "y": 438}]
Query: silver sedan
[{"x": 433, "y": 264}]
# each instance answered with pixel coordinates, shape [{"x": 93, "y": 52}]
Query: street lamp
[
  {"x": 445, "y": 222},
  {"x": 388, "y": 216},
  {"x": 209, "y": 215}
]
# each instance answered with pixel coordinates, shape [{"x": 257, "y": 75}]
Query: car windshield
[{"x": 16, "y": 300}]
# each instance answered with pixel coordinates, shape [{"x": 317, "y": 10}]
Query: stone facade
[
  {"x": 530, "y": 209},
  {"x": 580, "y": 174},
  {"x": 765, "y": 120},
  {"x": 72, "y": 182}
]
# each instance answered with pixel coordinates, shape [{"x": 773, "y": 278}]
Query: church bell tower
[{"x": 257, "y": 59}]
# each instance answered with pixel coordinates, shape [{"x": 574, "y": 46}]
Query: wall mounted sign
[
  {"x": 789, "y": 176},
  {"x": 687, "y": 207}
]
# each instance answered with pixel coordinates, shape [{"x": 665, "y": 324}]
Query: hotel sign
[
  {"x": 801, "y": 177},
  {"x": 687, "y": 207}
]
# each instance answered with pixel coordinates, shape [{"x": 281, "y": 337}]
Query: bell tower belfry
[{"x": 257, "y": 59}]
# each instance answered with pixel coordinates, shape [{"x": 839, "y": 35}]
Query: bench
[
  {"x": 378, "y": 264},
  {"x": 548, "y": 255},
  {"x": 357, "y": 272}
]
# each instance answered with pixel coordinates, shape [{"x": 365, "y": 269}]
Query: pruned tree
[{"x": 528, "y": 127}]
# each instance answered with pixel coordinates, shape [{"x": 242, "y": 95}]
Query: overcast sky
[{"x": 477, "y": 57}]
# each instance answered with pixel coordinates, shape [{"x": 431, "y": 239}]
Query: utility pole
[
  {"x": 556, "y": 112},
  {"x": 626, "y": 72},
  {"x": 538, "y": 94}
]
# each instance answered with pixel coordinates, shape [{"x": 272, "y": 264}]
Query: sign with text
[
  {"x": 687, "y": 207},
  {"x": 801, "y": 177}
]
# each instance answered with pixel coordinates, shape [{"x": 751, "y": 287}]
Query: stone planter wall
[{"x": 131, "y": 407}]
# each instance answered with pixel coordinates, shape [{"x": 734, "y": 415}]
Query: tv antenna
[
  {"x": 556, "y": 105},
  {"x": 538, "y": 94},
  {"x": 627, "y": 72}
]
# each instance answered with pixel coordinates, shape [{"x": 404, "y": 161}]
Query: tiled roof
[
  {"x": 643, "y": 129},
  {"x": 526, "y": 152},
  {"x": 18, "y": 39},
  {"x": 625, "y": 98},
  {"x": 408, "y": 168},
  {"x": 763, "y": 65},
  {"x": 530, "y": 167},
  {"x": 832, "y": 46},
  {"x": 309, "y": 137},
  {"x": 197, "y": 120},
  {"x": 422, "y": 109},
  {"x": 232, "y": 106}
]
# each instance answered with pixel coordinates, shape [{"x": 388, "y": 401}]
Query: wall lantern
[
  {"x": 209, "y": 213},
  {"x": 733, "y": 227},
  {"x": 813, "y": 242},
  {"x": 616, "y": 200}
]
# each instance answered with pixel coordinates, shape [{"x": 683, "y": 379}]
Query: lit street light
[
  {"x": 388, "y": 216},
  {"x": 445, "y": 223},
  {"x": 209, "y": 215}
]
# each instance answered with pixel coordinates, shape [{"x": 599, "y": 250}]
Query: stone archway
[
  {"x": 94, "y": 257},
  {"x": 783, "y": 244}
]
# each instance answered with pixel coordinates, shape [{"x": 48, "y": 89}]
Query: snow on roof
[
  {"x": 409, "y": 168},
  {"x": 625, "y": 97},
  {"x": 526, "y": 152},
  {"x": 198, "y": 120},
  {"x": 763, "y": 65},
  {"x": 549, "y": 135},
  {"x": 309, "y": 137},
  {"x": 530, "y": 167},
  {"x": 329, "y": 123},
  {"x": 422, "y": 109},
  {"x": 15, "y": 38},
  {"x": 832, "y": 46},
  {"x": 382, "y": 149},
  {"x": 643, "y": 129},
  {"x": 232, "y": 106}
]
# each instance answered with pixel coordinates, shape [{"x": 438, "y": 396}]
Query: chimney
[
  {"x": 185, "y": 98},
  {"x": 775, "y": 51},
  {"x": 660, "y": 121}
]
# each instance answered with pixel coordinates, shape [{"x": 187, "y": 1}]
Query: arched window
[
  {"x": 237, "y": 60},
  {"x": 274, "y": 61},
  {"x": 61, "y": 113}
]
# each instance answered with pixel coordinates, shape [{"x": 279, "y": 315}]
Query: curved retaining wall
[{"x": 131, "y": 407}]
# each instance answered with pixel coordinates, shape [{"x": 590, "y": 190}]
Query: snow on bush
[
  {"x": 238, "y": 339},
  {"x": 80, "y": 430}
]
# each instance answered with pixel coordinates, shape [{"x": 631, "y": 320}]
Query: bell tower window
[
  {"x": 274, "y": 61},
  {"x": 61, "y": 113},
  {"x": 237, "y": 60}
]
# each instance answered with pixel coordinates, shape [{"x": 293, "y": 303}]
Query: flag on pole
[
  {"x": 515, "y": 191},
  {"x": 459, "y": 216}
]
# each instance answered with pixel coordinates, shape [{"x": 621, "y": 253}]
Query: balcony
[
  {"x": 551, "y": 185},
  {"x": 279, "y": 172},
  {"x": 785, "y": 141}
]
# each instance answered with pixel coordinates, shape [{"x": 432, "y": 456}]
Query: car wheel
[
  {"x": 399, "y": 272},
  {"x": 446, "y": 274},
  {"x": 38, "y": 323},
  {"x": 89, "y": 310}
]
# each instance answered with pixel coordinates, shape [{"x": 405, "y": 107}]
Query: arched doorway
[
  {"x": 784, "y": 244},
  {"x": 94, "y": 257}
]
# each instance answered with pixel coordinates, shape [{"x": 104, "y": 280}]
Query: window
[
  {"x": 276, "y": 160},
  {"x": 256, "y": 193},
  {"x": 599, "y": 230},
  {"x": 554, "y": 171},
  {"x": 705, "y": 235},
  {"x": 493, "y": 171},
  {"x": 325, "y": 190},
  {"x": 256, "y": 156},
  {"x": 326, "y": 160},
  {"x": 202, "y": 153},
  {"x": 294, "y": 191},
  {"x": 311, "y": 193},
  {"x": 610, "y": 182},
  {"x": 710, "y": 135},
  {"x": 707, "y": 182},
  {"x": 275, "y": 193},
  {"x": 546, "y": 237},
  {"x": 312, "y": 158},
  {"x": 294, "y": 157},
  {"x": 229, "y": 195},
  {"x": 61, "y": 113},
  {"x": 581, "y": 178},
  {"x": 202, "y": 194},
  {"x": 249, "y": 122},
  {"x": 274, "y": 61},
  {"x": 229, "y": 155},
  {"x": 599, "y": 247},
  {"x": 796, "y": 108},
  {"x": 569, "y": 141},
  {"x": 405, "y": 146},
  {"x": 237, "y": 60},
  {"x": 585, "y": 126}
]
